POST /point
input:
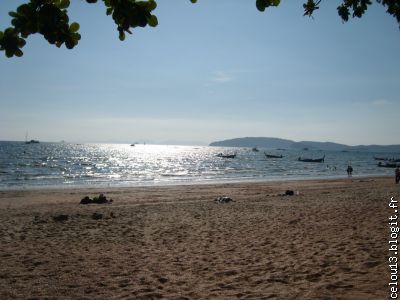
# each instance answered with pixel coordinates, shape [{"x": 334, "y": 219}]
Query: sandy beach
[{"x": 328, "y": 241}]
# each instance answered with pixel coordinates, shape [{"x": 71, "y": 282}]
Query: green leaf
[
  {"x": 63, "y": 4},
  {"x": 74, "y": 27},
  {"x": 152, "y": 20},
  {"x": 69, "y": 43},
  {"x": 13, "y": 14},
  {"x": 109, "y": 11},
  {"x": 21, "y": 43},
  {"x": 76, "y": 37},
  {"x": 9, "y": 53},
  {"x": 260, "y": 5},
  {"x": 23, "y": 9},
  {"x": 151, "y": 5},
  {"x": 122, "y": 36},
  {"x": 18, "y": 53}
]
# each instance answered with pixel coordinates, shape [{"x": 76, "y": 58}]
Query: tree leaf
[
  {"x": 122, "y": 36},
  {"x": 9, "y": 53},
  {"x": 152, "y": 20},
  {"x": 275, "y": 2},
  {"x": 74, "y": 27},
  {"x": 151, "y": 5},
  {"x": 63, "y": 4},
  {"x": 260, "y": 4},
  {"x": 18, "y": 53},
  {"x": 13, "y": 14}
]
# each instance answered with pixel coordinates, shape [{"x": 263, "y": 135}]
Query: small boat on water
[
  {"x": 380, "y": 158},
  {"x": 388, "y": 164},
  {"x": 319, "y": 160},
  {"x": 222, "y": 155},
  {"x": 32, "y": 142},
  {"x": 272, "y": 155},
  {"x": 387, "y": 159}
]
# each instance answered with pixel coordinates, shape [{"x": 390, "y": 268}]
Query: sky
[{"x": 209, "y": 71}]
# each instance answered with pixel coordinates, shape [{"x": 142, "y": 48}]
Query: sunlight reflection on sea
[{"x": 75, "y": 165}]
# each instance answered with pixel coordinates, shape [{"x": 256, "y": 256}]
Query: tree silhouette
[{"x": 50, "y": 19}]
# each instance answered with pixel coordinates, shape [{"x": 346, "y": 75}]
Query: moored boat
[
  {"x": 394, "y": 160},
  {"x": 222, "y": 155},
  {"x": 319, "y": 160},
  {"x": 388, "y": 164},
  {"x": 32, "y": 142},
  {"x": 272, "y": 155},
  {"x": 380, "y": 158},
  {"x": 387, "y": 159}
]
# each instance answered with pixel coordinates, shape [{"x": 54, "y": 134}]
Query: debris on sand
[
  {"x": 289, "y": 193},
  {"x": 60, "y": 218},
  {"x": 97, "y": 216},
  {"x": 101, "y": 199},
  {"x": 223, "y": 199}
]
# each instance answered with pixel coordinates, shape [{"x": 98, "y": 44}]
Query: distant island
[{"x": 277, "y": 143}]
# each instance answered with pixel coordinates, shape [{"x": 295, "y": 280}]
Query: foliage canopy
[{"x": 50, "y": 19}]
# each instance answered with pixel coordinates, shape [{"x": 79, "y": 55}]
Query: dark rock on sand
[
  {"x": 60, "y": 218},
  {"x": 97, "y": 216},
  {"x": 223, "y": 199},
  {"x": 101, "y": 199},
  {"x": 86, "y": 200}
]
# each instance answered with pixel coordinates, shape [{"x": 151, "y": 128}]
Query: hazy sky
[{"x": 210, "y": 71}]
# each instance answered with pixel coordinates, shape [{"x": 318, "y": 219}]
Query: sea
[{"x": 70, "y": 165}]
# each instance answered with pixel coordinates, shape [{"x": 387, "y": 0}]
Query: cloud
[
  {"x": 380, "y": 102},
  {"x": 222, "y": 77}
]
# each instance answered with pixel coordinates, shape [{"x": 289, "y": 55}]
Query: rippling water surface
[{"x": 63, "y": 164}]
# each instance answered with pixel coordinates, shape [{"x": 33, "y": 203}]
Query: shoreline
[
  {"x": 329, "y": 240},
  {"x": 183, "y": 183}
]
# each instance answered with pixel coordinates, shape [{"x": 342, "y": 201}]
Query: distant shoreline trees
[{"x": 50, "y": 19}]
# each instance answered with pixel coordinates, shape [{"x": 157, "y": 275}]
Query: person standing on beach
[
  {"x": 349, "y": 170},
  {"x": 397, "y": 174}
]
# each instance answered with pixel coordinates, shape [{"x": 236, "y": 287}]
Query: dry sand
[{"x": 328, "y": 242}]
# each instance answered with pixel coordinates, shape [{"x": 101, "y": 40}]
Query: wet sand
[{"x": 329, "y": 241}]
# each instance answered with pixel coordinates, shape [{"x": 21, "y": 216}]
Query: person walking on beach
[
  {"x": 349, "y": 170},
  {"x": 397, "y": 174}
]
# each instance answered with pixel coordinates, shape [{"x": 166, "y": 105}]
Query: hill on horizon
[{"x": 272, "y": 142}]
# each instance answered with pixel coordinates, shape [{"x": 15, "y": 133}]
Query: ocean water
[{"x": 95, "y": 165}]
